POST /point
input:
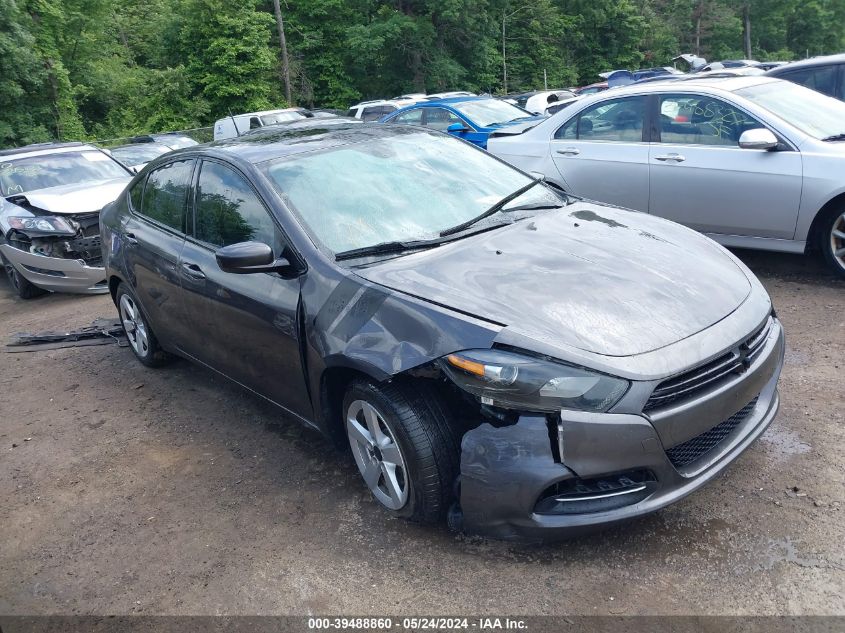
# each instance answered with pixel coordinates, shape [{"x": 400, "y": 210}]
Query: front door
[
  {"x": 601, "y": 155},
  {"x": 245, "y": 326},
  {"x": 701, "y": 178}
]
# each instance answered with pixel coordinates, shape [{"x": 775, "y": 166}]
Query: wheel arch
[
  {"x": 837, "y": 202},
  {"x": 334, "y": 382},
  {"x": 114, "y": 282}
]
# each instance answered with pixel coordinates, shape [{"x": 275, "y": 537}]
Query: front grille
[
  {"x": 706, "y": 376},
  {"x": 695, "y": 448}
]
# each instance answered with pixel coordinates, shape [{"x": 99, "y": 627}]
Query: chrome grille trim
[{"x": 705, "y": 376}]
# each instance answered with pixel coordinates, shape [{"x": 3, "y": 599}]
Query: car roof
[
  {"x": 37, "y": 149},
  {"x": 261, "y": 112},
  {"x": 823, "y": 60},
  {"x": 724, "y": 83},
  {"x": 279, "y": 141},
  {"x": 135, "y": 146},
  {"x": 449, "y": 101}
]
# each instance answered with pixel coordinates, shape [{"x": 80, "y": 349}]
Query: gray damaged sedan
[
  {"x": 49, "y": 216},
  {"x": 491, "y": 350}
]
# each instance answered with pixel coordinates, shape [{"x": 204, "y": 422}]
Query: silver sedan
[{"x": 753, "y": 162}]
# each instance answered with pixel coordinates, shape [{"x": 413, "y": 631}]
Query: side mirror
[
  {"x": 250, "y": 257},
  {"x": 759, "y": 138},
  {"x": 457, "y": 128}
]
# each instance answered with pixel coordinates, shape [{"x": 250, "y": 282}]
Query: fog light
[{"x": 599, "y": 494}]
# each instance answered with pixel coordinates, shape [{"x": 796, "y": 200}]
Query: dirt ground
[{"x": 128, "y": 490}]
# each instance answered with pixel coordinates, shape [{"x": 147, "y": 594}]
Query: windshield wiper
[
  {"x": 835, "y": 137},
  {"x": 385, "y": 248},
  {"x": 491, "y": 211}
]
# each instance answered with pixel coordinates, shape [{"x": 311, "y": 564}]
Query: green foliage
[{"x": 102, "y": 69}]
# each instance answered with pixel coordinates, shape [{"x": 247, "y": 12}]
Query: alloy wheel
[
  {"x": 377, "y": 454},
  {"x": 134, "y": 326},
  {"x": 837, "y": 240}
]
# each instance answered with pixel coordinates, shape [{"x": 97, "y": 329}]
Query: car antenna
[{"x": 235, "y": 123}]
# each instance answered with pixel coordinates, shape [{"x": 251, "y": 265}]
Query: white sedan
[{"x": 753, "y": 162}]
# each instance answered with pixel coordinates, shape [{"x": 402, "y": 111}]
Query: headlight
[
  {"x": 47, "y": 224},
  {"x": 513, "y": 381}
]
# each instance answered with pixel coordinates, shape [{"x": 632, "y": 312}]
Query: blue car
[{"x": 470, "y": 118}]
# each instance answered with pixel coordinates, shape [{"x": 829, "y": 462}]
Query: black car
[
  {"x": 825, "y": 74},
  {"x": 488, "y": 347}
]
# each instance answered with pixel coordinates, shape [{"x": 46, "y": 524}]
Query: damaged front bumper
[
  {"x": 56, "y": 274},
  {"x": 542, "y": 479}
]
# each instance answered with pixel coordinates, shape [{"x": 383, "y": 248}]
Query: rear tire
[
  {"x": 832, "y": 240},
  {"x": 20, "y": 284},
  {"x": 142, "y": 340},
  {"x": 412, "y": 418}
]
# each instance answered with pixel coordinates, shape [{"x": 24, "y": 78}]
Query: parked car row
[{"x": 524, "y": 341}]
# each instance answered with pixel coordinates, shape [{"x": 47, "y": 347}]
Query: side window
[
  {"x": 702, "y": 120},
  {"x": 373, "y": 113},
  {"x": 228, "y": 210},
  {"x": 136, "y": 193},
  {"x": 352, "y": 112},
  {"x": 821, "y": 78},
  {"x": 254, "y": 122},
  {"x": 388, "y": 109},
  {"x": 412, "y": 117},
  {"x": 618, "y": 120},
  {"x": 440, "y": 119},
  {"x": 166, "y": 192},
  {"x": 841, "y": 95}
]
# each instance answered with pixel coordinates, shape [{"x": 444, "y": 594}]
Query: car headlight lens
[
  {"x": 514, "y": 381},
  {"x": 51, "y": 224}
]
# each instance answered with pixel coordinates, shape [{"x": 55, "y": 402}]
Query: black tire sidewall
[
  {"x": 154, "y": 355},
  {"x": 361, "y": 390},
  {"x": 824, "y": 242}
]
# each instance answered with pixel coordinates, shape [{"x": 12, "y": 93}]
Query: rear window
[{"x": 821, "y": 78}]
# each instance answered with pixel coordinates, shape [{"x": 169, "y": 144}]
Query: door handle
[
  {"x": 131, "y": 239},
  {"x": 569, "y": 151},
  {"x": 671, "y": 158},
  {"x": 193, "y": 271}
]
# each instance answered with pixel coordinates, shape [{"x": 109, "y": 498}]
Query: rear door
[
  {"x": 154, "y": 235},
  {"x": 244, "y": 326},
  {"x": 601, "y": 153},
  {"x": 701, "y": 178}
]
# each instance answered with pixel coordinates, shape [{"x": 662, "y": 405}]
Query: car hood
[
  {"x": 516, "y": 127},
  {"x": 85, "y": 197},
  {"x": 597, "y": 278}
]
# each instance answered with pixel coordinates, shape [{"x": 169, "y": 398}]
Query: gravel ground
[{"x": 127, "y": 490}]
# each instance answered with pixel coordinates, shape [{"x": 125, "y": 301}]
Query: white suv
[{"x": 374, "y": 110}]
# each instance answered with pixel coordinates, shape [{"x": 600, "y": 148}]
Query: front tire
[
  {"x": 20, "y": 284},
  {"x": 405, "y": 446},
  {"x": 138, "y": 332},
  {"x": 832, "y": 240}
]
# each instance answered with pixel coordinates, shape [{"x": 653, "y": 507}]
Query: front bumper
[
  {"x": 56, "y": 274},
  {"x": 506, "y": 470}
]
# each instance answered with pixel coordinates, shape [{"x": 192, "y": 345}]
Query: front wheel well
[
  {"x": 837, "y": 202},
  {"x": 333, "y": 385}
]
